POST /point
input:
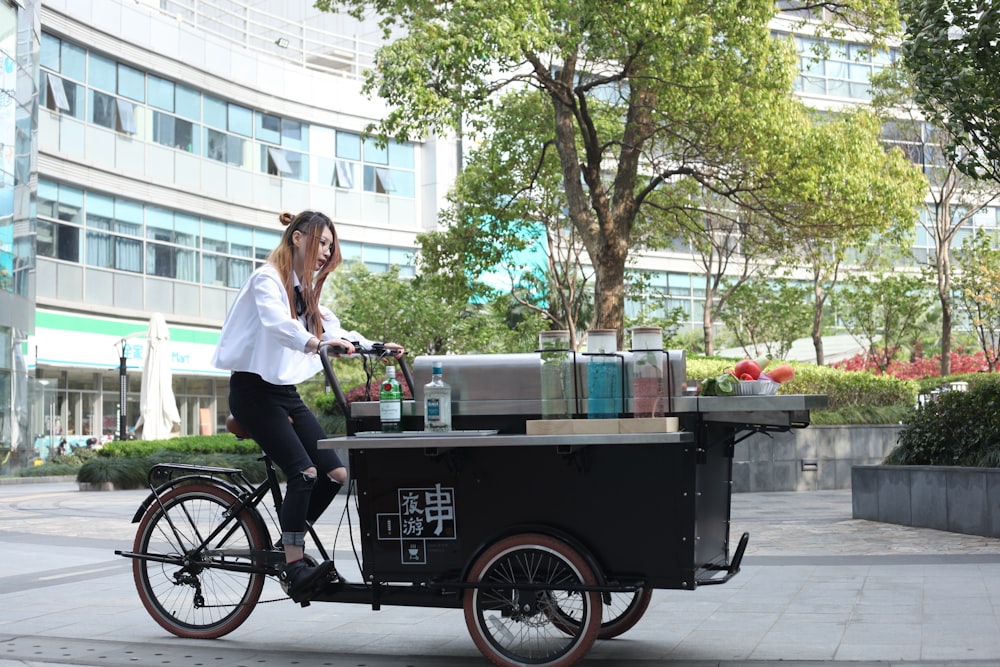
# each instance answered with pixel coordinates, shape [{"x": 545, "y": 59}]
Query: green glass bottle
[{"x": 390, "y": 406}]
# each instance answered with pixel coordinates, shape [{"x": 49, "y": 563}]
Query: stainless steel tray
[{"x": 427, "y": 434}]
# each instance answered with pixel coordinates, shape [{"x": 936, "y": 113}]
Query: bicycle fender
[
  {"x": 187, "y": 479},
  {"x": 541, "y": 529}
]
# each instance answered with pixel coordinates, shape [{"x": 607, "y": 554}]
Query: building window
[
  {"x": 112, "y": 112},
  {"x": 60, "y": 214},
  {"x": 174, "y": 132},
  {"x": 171, "y": 244},
  {"x": 114, "y": 230}
]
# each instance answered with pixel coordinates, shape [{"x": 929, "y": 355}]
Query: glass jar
[
  {"x": 604, "y": 374},
  {"x": 647, "y": 372},
  {"x": 556, "y": 375}
]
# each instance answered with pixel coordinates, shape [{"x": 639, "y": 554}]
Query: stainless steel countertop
[{"x": 458, "y": 439}]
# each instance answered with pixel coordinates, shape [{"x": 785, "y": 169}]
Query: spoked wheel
[
  {"x": 619, "y": 612},
  {"x": 192, "y": 596},
  {"x": 510, "y": 615}
]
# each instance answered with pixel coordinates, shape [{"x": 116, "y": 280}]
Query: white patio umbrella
[{"x": 158, "y": 415}]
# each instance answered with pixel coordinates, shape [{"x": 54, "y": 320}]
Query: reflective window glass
[
  {"x": 268, "y": 128},
  {"x": 49, "y": 52},
  {"x": 186, "y": 229},
  {"x": 348, "y": 146},
  {"x": 131, "y": 83},
  {"x": 102, "y": 73},
  {"x": 159, "y": 224},
  {"x": 216, "y": 113},
  {"x": 161, "y": 93},
  {"x": 375, "y": 153},
  {"x": 187, "y": 102},
  {"x": 401, "y": 155},
  {"x": 73, "y": 62},
  {"x": 240, "y": 120}
]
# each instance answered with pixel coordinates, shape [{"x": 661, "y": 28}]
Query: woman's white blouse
[{"x": 259, "y": 336}]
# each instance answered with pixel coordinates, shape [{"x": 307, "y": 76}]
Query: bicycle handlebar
[{"x": 375, "y": 351}]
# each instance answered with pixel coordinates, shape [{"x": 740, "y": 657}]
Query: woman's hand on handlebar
[
  {"x": 395, "y": 349},
  {"x": 337, "y": 346}
]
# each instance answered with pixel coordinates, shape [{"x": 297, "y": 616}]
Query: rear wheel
[
  {"x": 191, "y": 594},
  {"x": 619, "y": 613},
  {"x": 510, "y": 613}
]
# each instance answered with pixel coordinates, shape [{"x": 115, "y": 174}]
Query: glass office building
[{"x": 170, "y": 135}]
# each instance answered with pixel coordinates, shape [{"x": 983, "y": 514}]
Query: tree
[
  {"x": 950, "y": 48},
  {"x": 884, "y": 312},
  {"x": 503, "y": 205},
  {"x": 978, "y": 286},
  {"x": 878, "y": 191},
  {"x": 953, "y": 197},
  {"x": 423, "y": 315},
  {"x": 645, "y": 98},
  {"x": 767, "y": 317}
]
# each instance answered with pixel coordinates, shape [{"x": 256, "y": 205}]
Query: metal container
[{"x": 504, "y": 390}]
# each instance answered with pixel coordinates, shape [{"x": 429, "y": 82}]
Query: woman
[{"x": 270, "y": 341}]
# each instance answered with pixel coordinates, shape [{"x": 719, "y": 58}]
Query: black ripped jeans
[{"x": 288, "y": 432}]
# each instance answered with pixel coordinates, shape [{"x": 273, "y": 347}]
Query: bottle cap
[
  {"x": 390, "y": 370},
  {"x": 436, "y": 368}
]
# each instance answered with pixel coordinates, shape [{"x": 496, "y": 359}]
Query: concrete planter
[
  {"x": 955, "y": 499},
  {"x": 811, "y": 459}
]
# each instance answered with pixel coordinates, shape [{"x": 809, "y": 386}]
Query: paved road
[{"x": 817, "y": 587}]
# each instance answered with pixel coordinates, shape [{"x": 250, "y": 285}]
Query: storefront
[{"x": 77, "y": 360}]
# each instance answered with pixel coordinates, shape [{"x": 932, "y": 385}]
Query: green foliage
[
  {"x": 49, "y": 468},
  {"x": 950, "y": 49},
  {"x": 978, "y": 287},
  {"x": 885, "y": 312},
  {"x": 127, "y": 464},
  {"x": 767, "y": 317},
  {"x": 885, "y": 414},
  {"x": 960, "y": 428},
  {"x": 124, "y": 472},
  {"x": 623, "y": 117},
  {"x": 192, "y": 444}
]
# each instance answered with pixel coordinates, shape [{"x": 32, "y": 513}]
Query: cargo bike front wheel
[{"x": 525, "y": 588}]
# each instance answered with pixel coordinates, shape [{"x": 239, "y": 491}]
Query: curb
[{"x": 40, "y": 479}]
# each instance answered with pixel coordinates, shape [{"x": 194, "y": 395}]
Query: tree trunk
[
  {"x": 944, "y": 295},
  {"x": 817, "y": 328},
  {"x": 706, "y": 319}
]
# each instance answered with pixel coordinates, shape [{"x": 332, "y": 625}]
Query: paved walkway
[{"x": 817, "y": 587}]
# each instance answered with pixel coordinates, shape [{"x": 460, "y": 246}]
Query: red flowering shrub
[{"x": 919, "y": 368}]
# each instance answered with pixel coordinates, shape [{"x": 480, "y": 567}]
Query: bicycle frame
[{"x": 247, "y": 496}]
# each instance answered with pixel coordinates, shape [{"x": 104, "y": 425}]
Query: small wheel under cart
[{"x": 527, "y": 606}]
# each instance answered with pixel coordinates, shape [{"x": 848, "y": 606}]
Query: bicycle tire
[
  {"x": 170, "y": 591},
  {"x": 619, "y": 613},
  {"x": 513, "y": 626}
]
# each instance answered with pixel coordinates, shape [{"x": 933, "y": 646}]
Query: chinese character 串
[{"x": 439, "y": 508}]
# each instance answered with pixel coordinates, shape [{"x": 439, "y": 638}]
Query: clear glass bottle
[
  {"x": 604, "y": 374},
  {"x": 647, "y": 371},
  {"x": 437, "y": 402},
  {"x": 390, "y": 402},
  {"x": 556, "y": 375}
]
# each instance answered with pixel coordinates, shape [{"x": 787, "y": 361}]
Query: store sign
[{"x": 56, "y": 347}]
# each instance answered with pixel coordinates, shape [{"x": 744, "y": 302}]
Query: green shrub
[
  {"x": 51, "y": 468},
  {"x": 123, "y": 472},
  {"x": 960, "y": 428},
  {"x": 192, "y": 444}
]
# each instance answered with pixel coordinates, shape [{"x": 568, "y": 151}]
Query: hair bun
[{"x": 286, "y": 218}]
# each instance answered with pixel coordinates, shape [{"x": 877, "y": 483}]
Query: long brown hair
[{"x": 311, "y": 224}]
